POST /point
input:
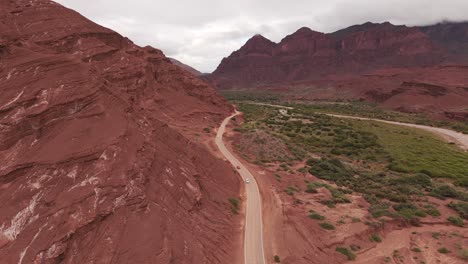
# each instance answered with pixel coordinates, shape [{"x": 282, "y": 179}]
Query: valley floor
[{"x": 314, "y": 216}]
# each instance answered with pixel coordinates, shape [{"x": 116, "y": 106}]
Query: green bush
[
  {"x": 379, "y": 209},
  {"x": 234, "y": 205},
  {"x": 461, "y": 208},
  {"x": 375, "y": 238},
  {"x": 327, "y": 226},
  {"x": 408, "y": 211},
  {"x": 463, "y": 254},
  {"x": 443, "y": 250},
  {"x": 277, "y": 259},
  {"x": 316, "y": 216},
  {"x": 462, "y": 182},
  {"x": 456, "y": 221},
  {"x": 432, "y": 211},
  {"x": 444, "y": 191},
  {"x": 291, "y": 189},
  {"x": 329, "y": 169},
  {"x": 348, "y": 253},
  {"x": 418, "y": 180}
]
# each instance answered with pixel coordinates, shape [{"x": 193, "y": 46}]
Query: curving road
[{"x": 253, "y": 238}]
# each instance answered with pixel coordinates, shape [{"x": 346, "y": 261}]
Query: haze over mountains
[{"x": 101, "y": 160}]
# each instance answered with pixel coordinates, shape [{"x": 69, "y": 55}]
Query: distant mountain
[
  {"x": 308, "y": 55},
  {"x": 186, "y": 67},
  {"x": 344, "y": 60}
]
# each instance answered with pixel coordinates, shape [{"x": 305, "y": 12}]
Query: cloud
[{"x": 201, "y": 33}]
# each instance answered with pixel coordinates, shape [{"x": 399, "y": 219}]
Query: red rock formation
[
  {"x": 98, "y": 158},
  {"x": 310, "y": 55},
  {"x": 346, "y": 64},
  {"x": 185, "y": 67},
  {"x": 452, "y": 37}
]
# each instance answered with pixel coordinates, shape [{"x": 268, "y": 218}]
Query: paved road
[
  {"x": 253, "y": 239},
  {"x": 458, "y": 138}
]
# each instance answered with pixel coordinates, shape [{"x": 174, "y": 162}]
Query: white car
[{"x": 247, "y": 180}]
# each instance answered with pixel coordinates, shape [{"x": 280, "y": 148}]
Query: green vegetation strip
[{"x": 392, "y": 166}]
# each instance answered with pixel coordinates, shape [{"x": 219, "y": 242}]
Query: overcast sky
[{"x": 200, "y": 33}]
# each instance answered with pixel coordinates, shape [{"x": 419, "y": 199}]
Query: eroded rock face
[
  {"x": 98, "y": 158},
  {"x": 375, "y": 62},
  {"x": 310, "y": 55}
]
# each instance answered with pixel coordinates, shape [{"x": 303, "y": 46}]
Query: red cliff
[
  {"x": 310, "y": 55},
  {"x": 354, "y": 63},
  {"x": 98, "y": 147}
]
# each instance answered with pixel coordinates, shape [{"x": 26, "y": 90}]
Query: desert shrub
[
  {"x": 348, "y": 253},
  {"x": 234, "y": 205},
  {"x": 329, "y": 169},
  {"x": 462, "y": 182},
  {"x": 291, "y": 189},
  {"x": 417, "y": 250},
  {"x": 327, "y": 226},
  {"x": 311, "y": 190},
  {"x": 463, "y": 254},
  {"x": 339, "y": 196},
  {"x": 456, "y": 221},
  {"x": 444, "y": 191},
  {"x": 277, "y": 259},
  {"x": 443, "y": 250},
  {"x": 409, "y": 212},
  {"x": 431, "y": 210},
  {"x": 418, "y": 180},
  {"x": 461, "y": 208},
  {"x": 375, "y": 238},
  {"x": 316, "y": 216}
]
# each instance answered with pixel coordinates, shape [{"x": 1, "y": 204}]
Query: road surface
[
  {"x": 456, "y": 137},
  {"x": 253, "y": 238}
]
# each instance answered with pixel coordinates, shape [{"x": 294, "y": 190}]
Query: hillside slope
[
  {"x": 98, "y": 143},
  {"x": 186, "y": 67}
]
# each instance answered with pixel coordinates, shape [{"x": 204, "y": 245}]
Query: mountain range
[{"x": 405, "y": 68}]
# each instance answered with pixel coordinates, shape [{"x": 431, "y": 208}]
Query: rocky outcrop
[{"x": 100, "y": 160}]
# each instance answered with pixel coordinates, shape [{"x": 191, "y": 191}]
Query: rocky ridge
[{"x": 98, "y": 142}]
